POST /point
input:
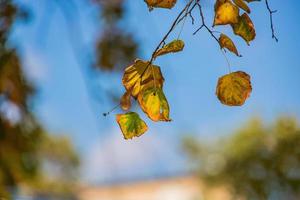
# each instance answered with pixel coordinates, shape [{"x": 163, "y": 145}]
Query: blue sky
[{"x": 63, "y": 104}]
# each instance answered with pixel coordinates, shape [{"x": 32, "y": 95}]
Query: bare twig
[
  {"x": 271, "y": 20},
  {"x": 203, "y": 25},
  {"x": 178, "y": 19},
  {"x": 211, "y": 32},
  {"x": 183, "y": 13}
]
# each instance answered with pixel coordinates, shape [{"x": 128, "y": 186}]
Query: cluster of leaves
[
  {"x": 143, "y": 80},
  {"x": 257, "y": 162}
]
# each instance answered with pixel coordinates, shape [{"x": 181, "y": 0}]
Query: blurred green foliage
[
  {"x": 30, "y": 159},
  {"x": 257, "y": 162}
]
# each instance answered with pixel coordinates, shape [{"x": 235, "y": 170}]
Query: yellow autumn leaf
[
  {"x": 219, "y": 3},
  {"x": 233, "y": 89},
  {"x": 131, "y": 125},
  {"x": 141, "y": 75},
  {"x": 172, "y": 47},
  {"x": 226, "y": 42},
  {"x": 125, "y": 101},
  {"x": 161, "y": 3},
  {"x": 225, "y": 13},
  {"x": 244, "y": 28},
  {"x": 154, "y": 103},
  {"x": 243, "y": 5}
]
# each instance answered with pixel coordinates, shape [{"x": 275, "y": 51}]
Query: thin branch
[
  {"x": 203, "y": 25},
  {"x": 192, "y": 18},
  {"x": 189, "y": 12},
  {"x": 211, "y": 32},
  {"x": 178, "y": 19},
  {"x": 271, "y": 20}
]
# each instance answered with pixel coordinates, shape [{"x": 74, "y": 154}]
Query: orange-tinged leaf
[
  {"x": 172, "y": 47},
  {"x": 244, "y": 28},
  {"x": 131, "y": 125},
  {"x": 160, "y": 3},
  {"x": 125, "y": 101},
  {"x": 243, "y": 5},
  {"x": 233, "y": 89},
  {"x": 226, "y": 13},
  {"x": 154, "y": 103},
  {"x": 226, "y": 42},
  {"x": 141, "y": 75}
]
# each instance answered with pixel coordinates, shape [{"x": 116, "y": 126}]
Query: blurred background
[{"x": 61, "y": 64}]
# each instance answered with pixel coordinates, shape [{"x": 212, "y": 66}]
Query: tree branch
[
  {"x": 183, "y": 13},
  {"x": 178, "y": 19},
  {"x": 271, "y": 20},
  {"x": 204, "y": 24}
]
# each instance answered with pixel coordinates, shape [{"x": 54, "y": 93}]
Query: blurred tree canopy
[
  {"x": 30, "y": 159},
  {"x": 28, "y": 155},
  {"x": 116, "y": 48},
  {"x": 257, "y": 162}
]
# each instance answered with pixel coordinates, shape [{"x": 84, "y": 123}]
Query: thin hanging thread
[
  {"x": 114, "y": 108},
  {"x": 183, "y": 23},
  {"x": 228, "y": 64}
]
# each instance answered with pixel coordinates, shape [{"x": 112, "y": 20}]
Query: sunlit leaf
[
  {"x": 244, "y": 28},
  {"x": 154, "y": 103},
  {"x": 172, "y": 47},
  {"x": 242, "y": 5},
  {"x": 141, "y": 75},
  {"x": 226, "y": 42},
  {"x": 160, "y": 3},
  {"x": 131, "y": 125},
  {"x": 125, "y": 101},
  {"x": 233, "y": 89},
  {"x": 226, "y": 13}
]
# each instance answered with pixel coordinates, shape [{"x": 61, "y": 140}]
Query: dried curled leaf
[
  {"x": 154, "y": 103},
  {"x": 160, "y": 3},
  {"x": 125, "y": 101},
  {"x": 172, "y": 47},
  {"x": 226, "y": 42},
  {"x": 233, "y": 89},
  {"x": 244, "y": 28},
  {"x": 141, "y": 75},
  {"x": 243, "y": 5},
  {"x": 225, "y": 13},
  {"x": 131, "y": 125}
]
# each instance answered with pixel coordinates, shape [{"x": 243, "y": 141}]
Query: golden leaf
[
  {"x": 131, "y": 125},
  {"x": 226, "y": 42},
  {"x": 225, "y": 13},
  {"x": 172, "y": 47},
  {"x": 141, "y": 75},
  {"x": 219, "y": 3},
  {"x": 154, "y": 103},
  {"x": 125, "y": 101},
  {"x": 244, "y": 28},
  {"x": 242, "y": 5},
  {"x": 161, "y": 3},
  {"x": 233, "y": 89}
]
